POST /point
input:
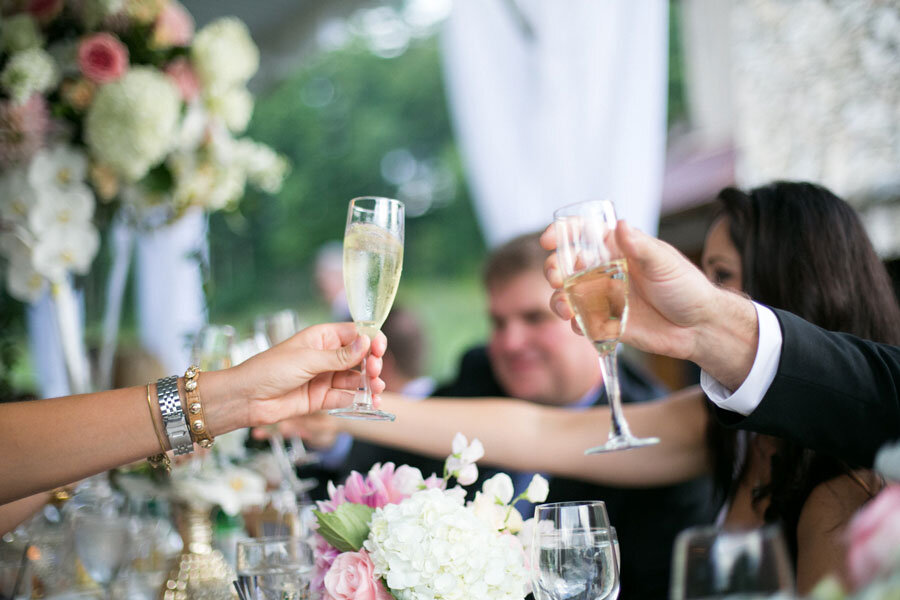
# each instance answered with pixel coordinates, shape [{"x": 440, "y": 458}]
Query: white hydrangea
[
  {"x": 20, "y": 32},
  {"x": 234, "y": 106},
  {"x": 430, "y": 547},
  {"x": 28, "y": 72},
  {"x": 133, "y": 122},
  {"x": 265, "y": 168},
  {"x": 224, "y": 55}
]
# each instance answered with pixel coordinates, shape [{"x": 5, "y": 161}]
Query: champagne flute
[
  {"x": 595, "y": 278},
  {"x": 731, "y": 563},
  {"x": 572, "y": 554},
  {"x": 373, "y": 260}
]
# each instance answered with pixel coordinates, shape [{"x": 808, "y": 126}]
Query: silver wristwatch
[{"x": 173, "y": 415}]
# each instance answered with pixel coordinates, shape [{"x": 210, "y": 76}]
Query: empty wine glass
[
  {"x": 596, "y": 282},
  {"x": 274, "y": 568},
  {"x": 102, "y": 543},
  {"x": 731, "y": 563},
  {"x": 572, "y": 554},
  {"x": 373, "y": 260}
]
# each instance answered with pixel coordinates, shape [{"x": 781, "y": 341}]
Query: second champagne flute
[
  {"x": 373, "y": 260},
  {"x": 596, "y": 283}
]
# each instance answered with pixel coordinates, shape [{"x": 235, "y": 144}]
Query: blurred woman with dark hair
[{"x": 794, "y": 246}]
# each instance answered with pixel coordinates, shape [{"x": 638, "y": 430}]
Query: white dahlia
[
  {"x": 223, "y": 54},
  {"x": 133, "y": 122}
]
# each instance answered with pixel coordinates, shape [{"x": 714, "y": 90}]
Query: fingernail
[
  {"x": 561, "y": 307},
  {"x": 357, "y": 344}
]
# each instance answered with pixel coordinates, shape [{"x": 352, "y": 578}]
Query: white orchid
[
  {"x": 61, "y": 168},
  {"x": 231, "y": 488},
  {"x": 467, "y": 452},
  {"x": 72, "y": 208},
  {"x": 16, "y": 197},
  {"x": 64, "y": 249},
  {"x": 23, "y": 282}
]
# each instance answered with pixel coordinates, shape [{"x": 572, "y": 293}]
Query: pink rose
[
  {"x": 351, "y": 577},
  {"x": 183, "y": 76},
  {"x": 174, "y": 26},
  {"x": 45, "y": 10},
  {"x": 874, "y": 537},
  {"x": 102, "y": 57}
]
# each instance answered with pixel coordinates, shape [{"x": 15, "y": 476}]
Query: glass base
[
  {"x": 622, "y": 442},
  {"x": 362, "y": 413}
]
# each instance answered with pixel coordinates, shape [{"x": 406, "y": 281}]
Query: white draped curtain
[{"x": 558, "y": 102}]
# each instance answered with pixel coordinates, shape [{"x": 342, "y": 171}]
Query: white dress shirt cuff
[{"x": 746, "y": 398}]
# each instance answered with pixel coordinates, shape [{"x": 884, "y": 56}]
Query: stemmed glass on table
[
  {"x": 595, "y": 279},
  {"x": 103, "y": 544},
  {"x": 373, "y": 260},
  {"x": 731, "y": 563},
  {"x": 573, "y": 554},
  {"x": 274, "y": 568}
]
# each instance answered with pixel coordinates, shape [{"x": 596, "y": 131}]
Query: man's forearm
[{"x": 727, "y": 340}]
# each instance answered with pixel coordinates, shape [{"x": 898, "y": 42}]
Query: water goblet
[
  {"x": 572, "y": 554},
  {"x": 102, "y": 543},
  {"x": 274, "y": 568}
]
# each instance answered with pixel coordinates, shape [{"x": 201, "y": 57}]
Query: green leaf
[{"x": 347, "y": 527}]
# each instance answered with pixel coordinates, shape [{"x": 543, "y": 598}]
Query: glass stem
[
  {"x": 363, "y": 395},
  {"x": 608, "y": 366}
]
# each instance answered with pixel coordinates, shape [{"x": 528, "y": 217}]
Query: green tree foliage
[{"x": 335, "y": 120}]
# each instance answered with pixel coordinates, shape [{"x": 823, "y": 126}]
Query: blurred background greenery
[{"x": 354, "y": 119}]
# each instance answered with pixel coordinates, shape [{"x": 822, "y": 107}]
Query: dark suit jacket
[
  {"x": 646, "y": 520},
  {"x": 833, "y": 392}
]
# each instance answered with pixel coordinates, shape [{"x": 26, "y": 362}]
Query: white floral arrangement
[
  {"x": 108, "y": 104},
  {"x": 395, "y": 534}
]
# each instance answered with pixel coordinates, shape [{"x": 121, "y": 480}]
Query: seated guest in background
[
  {"x": 329, "y": 278},
  {"x": 533, "y": 355},
  {"x": 791, "y": 245},
  {"x": 53, "y": 442}
]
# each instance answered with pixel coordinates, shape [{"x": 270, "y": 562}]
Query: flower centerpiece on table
[
  {"x": 112, "y": 103},
  {"x": 393, "y": 533}
]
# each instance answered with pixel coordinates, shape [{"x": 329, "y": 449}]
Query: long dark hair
[{"x": 803, "y": 250}]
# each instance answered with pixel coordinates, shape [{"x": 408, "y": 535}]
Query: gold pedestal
[{"x": 200, "y": 572}]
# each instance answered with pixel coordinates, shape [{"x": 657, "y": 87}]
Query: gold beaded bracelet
[
  {"x": 196, "y": 418},
  {"x": 161, "y": 460}
]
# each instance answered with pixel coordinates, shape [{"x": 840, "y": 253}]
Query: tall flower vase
[{"x": 200, "y": 572}]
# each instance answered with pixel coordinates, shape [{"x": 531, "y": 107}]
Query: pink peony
[
  {"x": 351, "y": 577},
  {"x": 45, "y": 10},
  {"x": 102, "y": 58},
  {"x": 174, "y": 26},
  {"x": 325, "y": 554},
  {"x": 383, "y": 485},
  {"x": 23, "y": 129},
  {"x": 183, "y": 75},
  {"x": 874, "y": 537}
]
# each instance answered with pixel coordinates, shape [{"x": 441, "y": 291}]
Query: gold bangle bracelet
[
  {"x": 196, "y": 418},
  {"x": 161, "y": 460}
]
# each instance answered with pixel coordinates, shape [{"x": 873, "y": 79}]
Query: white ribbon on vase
[{"x": 558, "y": 102}]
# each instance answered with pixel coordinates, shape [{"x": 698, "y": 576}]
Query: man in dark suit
[
  {"x": 534, "y": 356},
  {"x": 768, "y": 370}
]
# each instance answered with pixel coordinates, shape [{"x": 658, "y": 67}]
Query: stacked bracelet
[
  {"x": 161, "y": 460},
  {"x": 173, "y": 416},
  {"x": 196, "y": 418}
]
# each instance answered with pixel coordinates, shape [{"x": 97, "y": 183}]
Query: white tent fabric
[{"x": 558, "y": 102}]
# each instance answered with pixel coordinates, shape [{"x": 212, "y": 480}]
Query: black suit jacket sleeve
[{"x": 833, "y": 392}]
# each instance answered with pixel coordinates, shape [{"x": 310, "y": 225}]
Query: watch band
[{"x": 173, "y": 415}]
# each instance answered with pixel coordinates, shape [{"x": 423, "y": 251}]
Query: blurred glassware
[
  {"x": 15, "y": 569},
  {"x": 278, "y": 326},
  {"x": 103, "y": 543},
  {"x": 213, "y": 347},
  {"x": 709, "y": 562},
  {"x": 275, "y": 568}
]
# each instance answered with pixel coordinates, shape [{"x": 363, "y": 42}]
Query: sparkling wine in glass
[
  {"x": 373, "y": 260},
  {"x": 573, "y": 557},
  {"x": 595, "y": 278}
]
